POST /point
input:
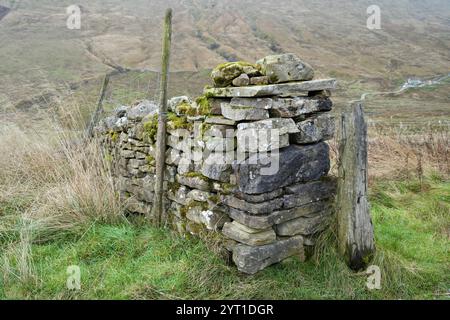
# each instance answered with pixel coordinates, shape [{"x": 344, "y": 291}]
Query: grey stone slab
[
  {"x": 243, "y": 113},
  {"x": 285, "y": 67},
  {"x": 283, "y": 89},
  {"x": 234, "y": 232},
  {"x": 277, "y": 217},
  {"x": 320, "y": 127},
  {"x": 250, "y": 259},
  {"x": 297, "y": 106},
  {"x": 253, "y": 208}
]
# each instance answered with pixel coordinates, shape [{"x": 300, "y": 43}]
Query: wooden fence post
[
  {"x": 355, "y": 229},
  {"x": 162, "y": 118}
]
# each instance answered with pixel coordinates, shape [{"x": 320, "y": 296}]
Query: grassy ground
[
  {"x": 130, "y": 260},
  {"x": 58, "y": 208}
]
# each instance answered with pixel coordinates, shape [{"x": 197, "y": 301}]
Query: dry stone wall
[{"x": 247, "y": 160}]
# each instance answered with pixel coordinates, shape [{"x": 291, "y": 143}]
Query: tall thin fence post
[
  {"x": 99, "y": 109},
  {"x": 355, "y": 229},
  {"x": 157, "y": 209}
]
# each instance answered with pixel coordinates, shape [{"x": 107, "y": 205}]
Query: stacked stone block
[{"x": 247, "y": 160}]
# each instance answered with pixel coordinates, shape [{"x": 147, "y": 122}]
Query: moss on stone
[
  {"x": 173, "y": 186},
  {"x": 151, "y": 129},
  {"x": 238, "y": 64},
  {"x": 273, "y": 78},
  {"x": 194, "y": 174},
  {"x": 150, "y": 160},
  {"x": 204, "y": 127},
  {"x": 204, "y": 105},
  {"x": 195, "y": 228},
  {"x": 227, "y": 187},
  {"x": 215, "y": 199},
  {"x": 183, "y": 211},
  {"x": 113, "y": 135},
  {"x": 197, "y": 204},
  {"x": 186, "y": 109},
  {"x": 178, "y": 122},
  {"x": 224, "y": 73}
]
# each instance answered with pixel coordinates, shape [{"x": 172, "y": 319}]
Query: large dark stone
[
  {"x": 258, "y": 198},
  {"x": 260, "y": 173},
  {"x": 253, "y": 208},
  {"x": 250, "y": 260}
]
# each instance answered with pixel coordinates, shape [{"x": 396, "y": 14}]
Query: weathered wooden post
[
  {"x": 162, "y": 118},
  {"x": 355, "y": 229},
  {"x": 99, "y": 109}
]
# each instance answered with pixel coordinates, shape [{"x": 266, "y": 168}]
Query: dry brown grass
[
  {"x": 397, "y": 153},
  {"x": 67, "y": 181},
  {"x": 52, "y": 182}
]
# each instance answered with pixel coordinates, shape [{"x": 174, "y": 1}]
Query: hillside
[{"x": 41, "y": 57}]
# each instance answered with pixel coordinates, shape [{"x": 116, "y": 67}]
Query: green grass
[{"x": 135, "y": 261}]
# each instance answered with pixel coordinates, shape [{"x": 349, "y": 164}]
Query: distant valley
[{"x": 41, "y": 57}]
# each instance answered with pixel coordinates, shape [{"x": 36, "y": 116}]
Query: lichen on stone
[
  {"x": 237, "y": 64},
  {"x": 225, "y": 73}
]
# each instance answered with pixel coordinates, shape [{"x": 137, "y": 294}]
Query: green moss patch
[
  {"x": 114, "y": 136},
  {"x": 214, "y": 199},
  {"x": 193, "y": 174},
  {"x": 178, "y": 122},
  {"x": 204, "y": 105},
  {"x": 151, "y": 129},
  {"x": 150, "y": 160},
  {"x": 224, "y": 73},
  {"x": 186, "y": 109}
]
